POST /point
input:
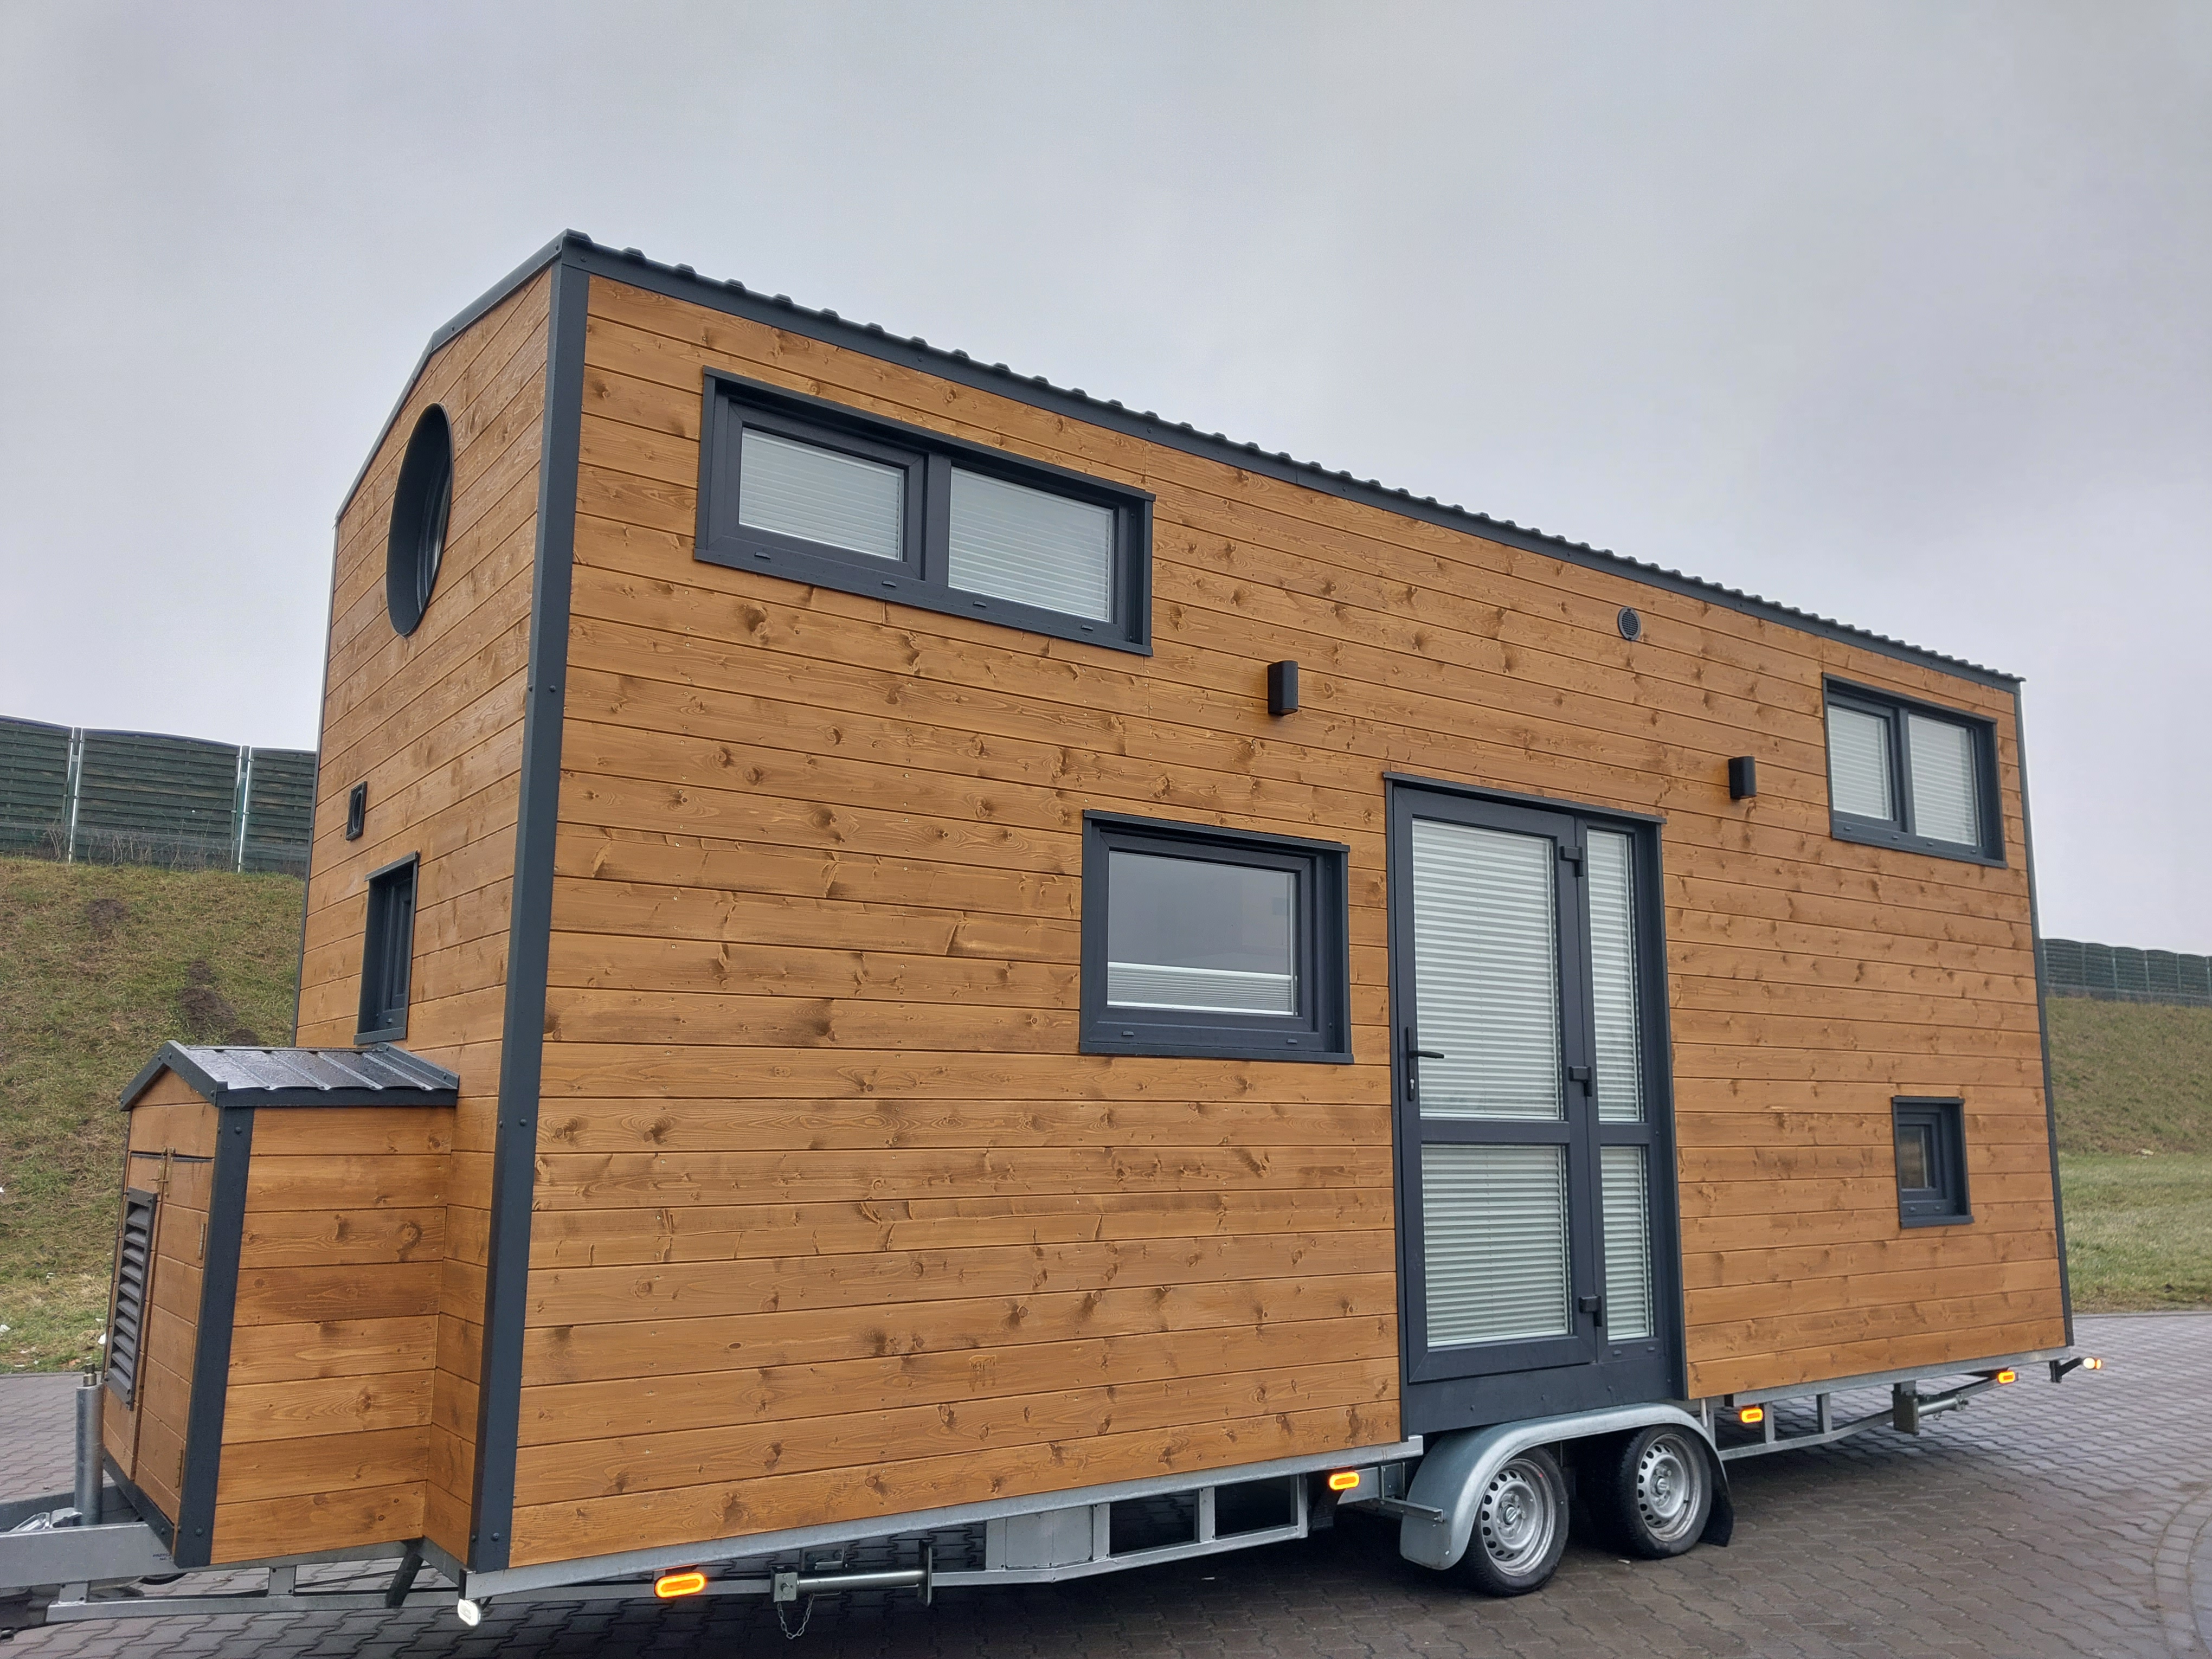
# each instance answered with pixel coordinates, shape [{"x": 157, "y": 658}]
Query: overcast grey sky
[{"x": 1901, "y": 313}]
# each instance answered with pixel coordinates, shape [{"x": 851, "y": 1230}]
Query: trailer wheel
[
  {"x": 1520, "y": 1526},
  {"x": 1656, "y": 1493}
]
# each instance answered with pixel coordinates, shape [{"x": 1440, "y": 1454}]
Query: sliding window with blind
[
  {"x": 1908, "y": 775},
  {"x": 792, "y": 486},
  {"x": 1535, "y": 1169}
]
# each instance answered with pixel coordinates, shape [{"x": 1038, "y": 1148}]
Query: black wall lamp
[
  {"x": 1282, "y": 688},
  {"x": 1743, "y": 778}
]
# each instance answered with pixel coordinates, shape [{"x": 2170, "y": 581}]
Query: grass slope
[{"x": 99, "y": 966}]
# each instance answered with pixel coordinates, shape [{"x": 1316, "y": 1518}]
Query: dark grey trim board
[
  {"x": 148, "y": 1510},
  {"x": 734, "y": 299},
  {"x": 530, "y": 923},
  {"x": 226, "y": 1231},
  {"x": 315, "y": 785},
  {"x": 2042, "y": 1013}
]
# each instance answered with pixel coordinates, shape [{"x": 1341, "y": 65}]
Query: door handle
[{"x": 1414, "y": 1055}]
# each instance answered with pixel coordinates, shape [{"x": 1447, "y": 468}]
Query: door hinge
[
  {"x": 1580, "y": 1074},
  {"x": 1594, "y": 1306},
  {"x": 1573, "y": 855}
]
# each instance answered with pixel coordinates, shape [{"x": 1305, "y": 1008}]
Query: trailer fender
[{"x": 1436, "y": 1519}]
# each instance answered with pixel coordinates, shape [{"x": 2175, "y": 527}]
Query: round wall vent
[
  {"x": 419, "y": 510},
  {"x": 1631, "y": 625}
]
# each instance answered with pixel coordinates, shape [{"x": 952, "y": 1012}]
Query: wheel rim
[
  {"x": 1671, "y": 1479},
  {"x": 1516, "y": 1518}
]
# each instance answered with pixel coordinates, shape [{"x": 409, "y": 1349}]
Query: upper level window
[
  {"x": 820, "y": 492},
  {"x": 1901, "y": 774},
  {"x": 1211, "y": 942}
]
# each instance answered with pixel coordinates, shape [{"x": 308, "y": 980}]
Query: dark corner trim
[
  {"x": 148, "y": 1510},
  {"x": 530, "y": 921},
  {"x": 315, "y": 783},
  {"x": 233, "y": 1151},
  {"x": 2042, "y": 1013}
]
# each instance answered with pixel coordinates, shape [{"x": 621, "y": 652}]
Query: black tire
[
  {"x": 1653, "y": 1493},
  {"x": 1520, "y": 1526}
]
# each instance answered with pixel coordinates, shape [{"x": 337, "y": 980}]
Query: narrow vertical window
[{"x": 387, "y": 953}]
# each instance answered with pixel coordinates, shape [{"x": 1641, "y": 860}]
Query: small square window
[
  {"x": 1918, "y": 778},
  {"x": 387, "y": 953},
  {"x": 1207, "y": 942},
  {"x": 1931, "y": 1163}
]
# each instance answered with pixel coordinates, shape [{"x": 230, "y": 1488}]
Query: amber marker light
[
  {"x": 1344, "y": 1481},
  {"x": 1752, "y": 1414},
  {"x": 670, "y": 1585},
  {"x": 2008, "y": 1376}
]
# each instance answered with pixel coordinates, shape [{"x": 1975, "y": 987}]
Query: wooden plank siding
[
  {"x": 171, "y": 1143},
  {"x": 333, "y": 1363},
  {"x": 832, "y": 1221},
  {"x": 432, "y": 722}
]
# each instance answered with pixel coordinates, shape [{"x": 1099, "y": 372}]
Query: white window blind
[
  {"x": 1014, "y": 543},
  {"x": 1627, "y": 1242},
  {"x": 1858, "y": 763},
  {"x": 1946, "y": 806},
  {"x": 1494, "y": 1221},
  {"x": 818, "y": 495},
  {"x": 1485, "y": 972},
  {"x": 1612, "y": 976}
]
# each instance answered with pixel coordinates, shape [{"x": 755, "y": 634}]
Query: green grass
[
  {"x": 99, "y": 966},
  {"x": 2131, "y": 1077},
  {"x": 2138, "y": 1229}
]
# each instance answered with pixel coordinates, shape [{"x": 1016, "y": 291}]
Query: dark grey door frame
[{"x": 1463, "y": 1387}]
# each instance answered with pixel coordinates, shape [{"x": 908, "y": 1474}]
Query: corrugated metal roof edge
[
  {"x": 432, "y": 1085},
  {"x": 681, "y": 281}
]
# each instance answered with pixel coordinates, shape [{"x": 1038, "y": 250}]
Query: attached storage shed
[{"x": 995, "y": 949}]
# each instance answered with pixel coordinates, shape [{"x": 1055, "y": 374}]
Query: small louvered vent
[{"x": 130, "y": 1285}]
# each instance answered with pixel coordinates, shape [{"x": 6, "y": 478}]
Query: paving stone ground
[{"x": 2042, "y": 1520}]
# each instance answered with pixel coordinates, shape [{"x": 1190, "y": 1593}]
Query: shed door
[{"x": 1530, "y": 1083}]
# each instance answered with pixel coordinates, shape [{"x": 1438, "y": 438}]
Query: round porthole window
[
  {"x": 1631, "y": 625},
  {"x": 419, "y": 510}
]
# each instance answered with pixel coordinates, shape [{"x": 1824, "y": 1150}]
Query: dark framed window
[
  {"x": 387, "y": 952},
  {"x": 1931, "y": 1162},
  {"x": 421, "y": 503},
  {"x": 1912, "y": 775},
  {"x": 1213, "y": 943},
  {"x": 798, "y": 487}
]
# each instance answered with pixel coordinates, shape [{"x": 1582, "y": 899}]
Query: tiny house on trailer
[{"x": 898, "y": 952}]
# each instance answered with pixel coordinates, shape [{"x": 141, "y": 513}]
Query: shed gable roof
[{"x": 385, "y": 1075}]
